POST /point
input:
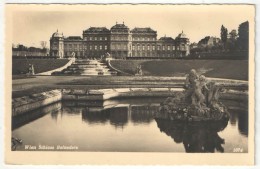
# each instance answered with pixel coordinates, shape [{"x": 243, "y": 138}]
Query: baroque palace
[{"x": 120, "y": 42}]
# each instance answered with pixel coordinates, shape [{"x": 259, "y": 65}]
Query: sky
[{"x": 33, "y": 24}]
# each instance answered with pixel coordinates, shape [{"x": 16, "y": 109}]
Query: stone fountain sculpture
[{"x": 198, "y": 102}]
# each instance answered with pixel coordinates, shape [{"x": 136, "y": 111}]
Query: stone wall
[{"x": 27, "y": 103}]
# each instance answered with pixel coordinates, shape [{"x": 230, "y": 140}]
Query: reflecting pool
[{"x": 126, "y": 125}]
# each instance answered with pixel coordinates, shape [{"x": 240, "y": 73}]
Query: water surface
[{"x": 126, "y": 126}]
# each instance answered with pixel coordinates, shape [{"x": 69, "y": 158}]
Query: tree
[
  {"x": 43, "y": 44},
  {"x": 233, "y": 35},
  {"x": 223, "y": 35},
  {"x": 243, "y": 35}
]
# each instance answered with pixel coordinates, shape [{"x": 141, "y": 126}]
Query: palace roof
[
  {"x": 73, "y": 38},
  {"x": 167, "y": 39},
  {"x": 97, "y": 30},
  {"x": 143, "y": 30},
  {"x": 119, "y": 28}
]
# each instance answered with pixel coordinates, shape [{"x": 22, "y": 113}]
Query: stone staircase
[{"x": 85, "y": 67}]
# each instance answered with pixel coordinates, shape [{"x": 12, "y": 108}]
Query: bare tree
[{"x": 43, "y": 44}]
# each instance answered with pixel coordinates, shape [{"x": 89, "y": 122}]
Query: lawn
[
  {"x": 230, "y": 69},
  {"x": 20, "y": 66}
]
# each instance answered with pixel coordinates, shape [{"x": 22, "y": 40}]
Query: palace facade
[{"x": 120, "y": 42}]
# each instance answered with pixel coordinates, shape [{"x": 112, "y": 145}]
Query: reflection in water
[
  {"x": 26, "y": 118},
  {"x": 136, "y": 118},
  {"x": 240, "y": 117},
  {"x": 243, "y": 123},
  {"x": 233, "y": 118},
  {"x": 143, "y": 114},
  {"x": 119, "y": 116},
  {"x": 94, "y": 116},
  {"x": 196, "y": 137}
]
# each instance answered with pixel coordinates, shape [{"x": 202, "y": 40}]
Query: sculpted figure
[
  {"x": 197, "y": 97},
  {"x": 190, "y": 78},
  {"x": 189, "y": 85},
  {"x": 139, "y": 70},
  {"x": 212, "y": 94},
  {"x": 31, "y": 69},
  {"x": 198, "y": 102}
]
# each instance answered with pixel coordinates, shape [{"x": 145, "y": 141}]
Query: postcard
[{"x": 127, "y": 84}]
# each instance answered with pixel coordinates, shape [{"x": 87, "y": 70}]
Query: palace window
[
  {"x": 148, "y": 47},
  {"x": 105, "y": 47},
  {"x": 148, "y": 39},
  {"x": 100, "y": 47},
  {"x": 95, "y": 47},
  {"x": 158, "y": 47},
  {"x": 100, "y": 38},
  {"x": 173, "y": 47},
  {"x": 95, "y": 38},
  {"x": 133, "y": 47},
  {"x": 143, "y": 47},
  {"x": 90, "y": 47},
  {"x": 153, "y": 47},
  {"x": 138, "y": 47},
  {"x": 163, "y": 48},
  {"x": 169, "y": 48},
  {"x": 105, "y": 38},
  {"x": 90, "y": 38}
]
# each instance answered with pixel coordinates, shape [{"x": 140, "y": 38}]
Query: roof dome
[
  {"x": 182, "y": 35},
  {"x": 57, "y": 34}
]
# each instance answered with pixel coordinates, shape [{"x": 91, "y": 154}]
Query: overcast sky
[{"x": 33, "y": 24}]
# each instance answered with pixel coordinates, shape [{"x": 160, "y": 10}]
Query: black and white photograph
[{"x": 121, "y": 78}]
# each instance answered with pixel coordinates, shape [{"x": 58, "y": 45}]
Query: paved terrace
[{"x": 23, "y": 87}]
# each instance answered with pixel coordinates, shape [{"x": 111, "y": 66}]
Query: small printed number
[{"x": 238, "y": 150}]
